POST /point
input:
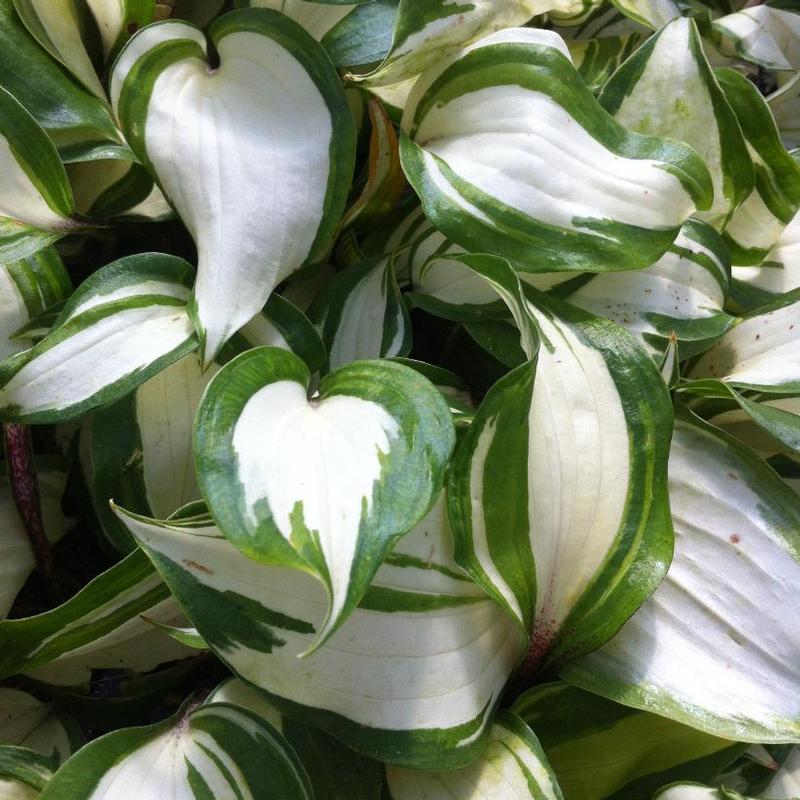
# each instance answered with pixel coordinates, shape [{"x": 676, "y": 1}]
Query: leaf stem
[{"x": 24, "y": 486}]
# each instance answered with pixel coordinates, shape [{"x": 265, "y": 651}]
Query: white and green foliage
[
  {"x": 164, "y": 92},
  {"x": 422, "y": 375},
  {"x": 411, "y": 677},
  {"x": 667, "y": 88},
  {"x": 378, "y": 436},
  {"x": 599, "y": 748},
  {"x": 463, "y": 151},
  {"x": 122, "y": 325},
  {"x": 693, "y": 651},
  {"x": 215, "y": 750}
]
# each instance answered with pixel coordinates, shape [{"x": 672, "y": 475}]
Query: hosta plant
[{"x": 400, "y": 400}]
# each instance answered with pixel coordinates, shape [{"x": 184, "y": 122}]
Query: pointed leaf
[
  {"x": 468, "y": 124},
  {"x": 716, "y": 644},
  {"x": 35, "y": 192},
  {"x": 27, "y": 288},
  {"x": 97, "y": 628},
  {"x": 413, "y": 675},
  {"x": 57, "y": 27},
  {"x": 757, "y": 224},
  {"x": 164, "y": 93},
  {"x": 361, "y": 314},
  {"x": 667, "y": 88},
  {"x": 372, "y": 444},
  {"x": 55, "y": 100},
  {"x": 588, "y": 537}
]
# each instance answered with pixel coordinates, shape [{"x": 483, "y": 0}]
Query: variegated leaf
[
  {"x": 760, "y": 352},
  {"x": 601, "y": 749},
  {"x": 318, "y": 18},
  {"x": 426, "y": 33},
  {"x": 762, "y": 34},
  {"x": 164, "y": 93},
  {"x": 335, "y": 771},
  {"x": 57, "y": 102},
  {"x": 56, "y": 25},
  {"x": 28, "y": 722},
  {"x": 207, "y": 751},
  {"x": 28, "y": 288},
  {"x": 779, "y": 272},
  {"x": 715, "y": 647},
  {"x": 512, "y": 766},
  {"x": 650, "y": 13},
  {"x": 412, "y": 677},
  {"x": 683, "y": 293},
  {"x": 98, "y": 628},
  {"x": 123, "y": 324},
  {"x": 372, "y": 443},
  {"x": 361, "y": 314},
  {"x": 756, "y": 226},
  {"x": 36, "y": 203},
  {"x": 585, "y": 431},
  {"x": 465, "y": 150},
  {"x": 23, "y": 772},
  {"x": 597, "y": 59},
  {"x": 118, "y": 19},
  {"x": 667, "y": 88},
  {"x": 141, "y": 446}
]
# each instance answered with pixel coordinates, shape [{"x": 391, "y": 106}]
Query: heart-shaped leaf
[
  {"x": 256, "y": 155},
  {"x": 328, "y": 484}
]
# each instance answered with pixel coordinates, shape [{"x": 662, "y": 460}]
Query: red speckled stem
[{"x": 25, "y": 491}]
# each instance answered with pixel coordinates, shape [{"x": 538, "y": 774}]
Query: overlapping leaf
[
  {"x": 557, "y": 491},
  {"x": 364, "y": 460},
  {"x": 715, "y": 646},
  {"x": 465, "y": 150},
  {"x": 121, "y": 326},
  {"x": 259, "y": 219},
  {"x": 412, "y": 677}
]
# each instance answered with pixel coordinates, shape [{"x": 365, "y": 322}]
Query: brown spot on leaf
[
  {"x": 199, "y": 567},
  {"x": 735, "y": 538}
]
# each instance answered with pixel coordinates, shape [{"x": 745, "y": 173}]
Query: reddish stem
[{"x": 25, "y": 492}]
